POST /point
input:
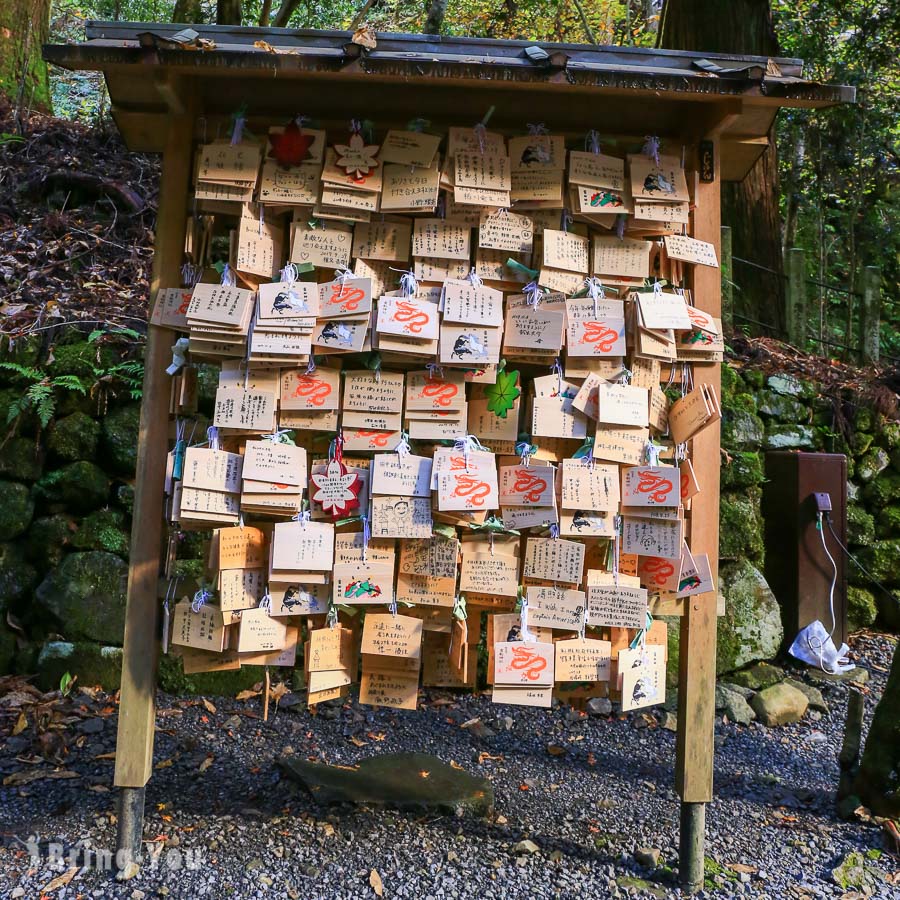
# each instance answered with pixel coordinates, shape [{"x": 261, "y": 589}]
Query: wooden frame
[{"x": 160, "y": 111}]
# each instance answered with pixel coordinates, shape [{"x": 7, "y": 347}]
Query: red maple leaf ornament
[{"x": 290, "y": 147}]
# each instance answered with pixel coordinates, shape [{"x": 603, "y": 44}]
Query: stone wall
[{"x": 66, "y": 494}]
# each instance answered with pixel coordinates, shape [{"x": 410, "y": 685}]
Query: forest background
[{"x": 828, "y": 183}]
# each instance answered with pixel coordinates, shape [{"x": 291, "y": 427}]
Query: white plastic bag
[{"x": 814, "y": 646}]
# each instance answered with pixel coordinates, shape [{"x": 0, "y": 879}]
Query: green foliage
[
  {"x": 66, "y": 683},
  {"x": 41, "y": 394}
]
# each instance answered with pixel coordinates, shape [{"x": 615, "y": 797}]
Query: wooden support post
[
  {"x": 870, "y": 316},
  {"x": 137, "y": 703},
  {"x": 697, "y": 648},
  {"x": 727, "y": 282},
  {"x": 795, "y": 297}
]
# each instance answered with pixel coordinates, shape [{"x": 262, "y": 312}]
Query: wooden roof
[{"x": 278, "y": 72}]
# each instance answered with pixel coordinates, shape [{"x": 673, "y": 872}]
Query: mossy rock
[
  {"x": 105, "y": 529},
  {"x": 889, "y": 435},
  {"x": 860, "y": 443},
  {"x": 741, "y": 403},
  {"x": 124, "y": 495},
  {"x": 207, "y": 385},
  {"x": 743, "y": 469},
  {"x": 888, "y": 522},
  {"x": 16, "y": 509},
  {"x": 753, "y": 378},
  {"x": 882, "y": 559},
  {"x": 860, "y": 526},
  {"x": 742, "y": 430},
  {"x": 85, "y": 596},
  {"x": 740, "y": 526},
  {"x": 751, "y": 628},
  {"x": 219, "y": 684},
  {"x": 791, "y": 386},
  {"x": 93, "y": 663},
  {"x": 21, "y": 459},
  {"x": 790, "y": 437},
  {"x": 48, "y": 539},
  {"x": 80, "y": 486},
  {"x": 882, "y": 490},
  {"x": 74, "y": 437},
  {"x": 861, "y": 608},
  {"x": 120, "y": 438},
  {"x": 81, "y": 359},
  {"x": 864, "y": 419},
  {"x": 757, "y": 677},
  {"x": 787, "y": 409},
  {"x": 17, "y": 577},
  {"x": 872, "y": 464},
  {"x": 731, "y": 383}
]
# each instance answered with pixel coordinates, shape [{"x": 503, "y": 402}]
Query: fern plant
[{"x": 40, "y": 395}]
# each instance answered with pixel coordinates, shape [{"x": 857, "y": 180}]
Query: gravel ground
[{"x": 218, "y": 806}]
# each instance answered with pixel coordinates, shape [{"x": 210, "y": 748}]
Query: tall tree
[
  {"x": 750, "y": 207},
  {"x": 436, "y": 10},
  {"x": 24, "y": 27},
  {"x": 188, "y": 11},
  {"x": 228, "y": 12}
]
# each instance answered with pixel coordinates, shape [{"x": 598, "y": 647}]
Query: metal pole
[
  {"x": 692, "y": 846},
  {"x": 129, "y": 839}
]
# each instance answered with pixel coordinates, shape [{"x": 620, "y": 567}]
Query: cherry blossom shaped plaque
[{"x": 356, "y": 158}]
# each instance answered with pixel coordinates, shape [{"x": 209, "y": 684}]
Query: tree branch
[
  {"x": 363, "y": 12},
  {"x": 584, "y": 21},
  {"x": 285, "y": 11},
  {"x": 264, "y": 13}
]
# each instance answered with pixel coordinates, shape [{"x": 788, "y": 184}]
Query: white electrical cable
[{"x": 815, "y": 643}]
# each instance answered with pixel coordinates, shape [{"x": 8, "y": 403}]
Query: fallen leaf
[
  {"x": 376, "y": 883},
  {"x": 205, "y": 764},
  {"x": 484, "y": 756},
  {"x": 208, "y": 706},
  {"x": 60, "y": 880},
  {"x": 556, "y": 750},
  {"x": 111, "y": 755},
  {"x": 99, "y": 788},
  {"x": 264, "y": 45},
  {"x": 524, "y": 787},
  {"x": 742, "y": 867},
  {"x": 357, "y": 742},
  {"x": 21, "y": 724},
  {"x": 164, "y": 764},
  {"x": 26, "y": 777},
  {"x": 247, "y": 695},
  {"x": 380, "y": 736},
  {"x": 365, "y": 37}
]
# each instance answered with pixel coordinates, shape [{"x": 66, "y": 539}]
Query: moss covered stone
[
  {"x": 17, "y": 577},
  {"x": 81, "y": 359},
  {"x": 731, "y": 382},
  {"x": 48, "y": 539},
  {"x": 888, "y": 522},
  {"x": 889, "y": 435},
  {"x": 861, "y": 608},
  {"x": 742, "y": 430},
  {"x": 882, "y": 490},
  {"x": 742, "y": 469},
  {"x": 860, "y": 526},
  {"x": 859, "y": 443},
  {"x": 120, "y": 438},
  {"x": 864, "y": 418},
  {"x": 740, "y": 526},
  {"x": 872, "y": 464},
  {"x": 74, "y": 437},
  {"x": 93, "y": 663},
  {"x": 80, "y": 486},
  {"x": 791, "y": 386},
  {"x": 741, "y": 403},
  {"x": 21, "y": 459},
  {"x": 790, "y": 437},
  {"x": 757, "y": 677},
  {"x": 105, "y": 529},
  {"x": 220, "y": 684},
  {"x": 788, "y": 409},
  {"x": 751, "y": 628},
  {"x": 85, "y": 596},
  {"x": 16, "y": 509},
  {"x": 882, "y": 559}
]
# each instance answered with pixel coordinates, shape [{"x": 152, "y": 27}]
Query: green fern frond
[
  {"x": 69, "y": 382},
  {"x": 25, "y": 371}
]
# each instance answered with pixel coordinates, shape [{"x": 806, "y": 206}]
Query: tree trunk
[
  {"x": 228, "y": 12},
  {"x": 188, "y": 12},
  {"x": 24, "y": 27},
  {"x": 434, "y": 20},
  {"x": 285, "y": 11},
  {"x": 751, "y": 206},
  {"x": 877, "y": 783}
]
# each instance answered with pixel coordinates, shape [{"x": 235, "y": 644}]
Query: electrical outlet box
[{"x": 800, "y": 487}]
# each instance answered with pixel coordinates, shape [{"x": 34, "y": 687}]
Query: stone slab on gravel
[{"x": 779, "y": 704}]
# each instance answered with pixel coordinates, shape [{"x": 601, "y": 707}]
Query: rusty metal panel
[{"x": 797, "y": 569}]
